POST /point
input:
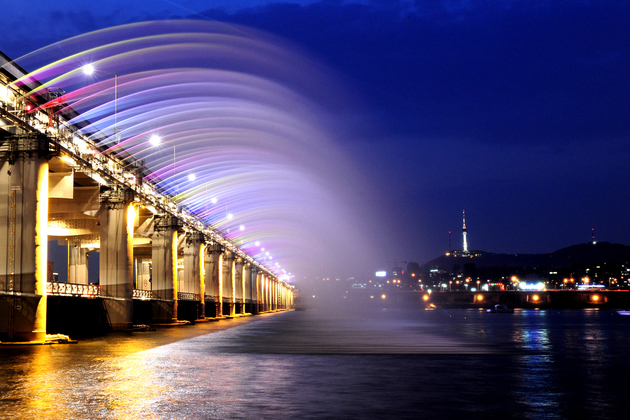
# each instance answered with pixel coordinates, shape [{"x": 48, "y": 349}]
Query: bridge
[{"x": 58, "y": 184}]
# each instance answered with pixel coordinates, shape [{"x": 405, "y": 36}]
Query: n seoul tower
[{"x": 465, "y": 249}]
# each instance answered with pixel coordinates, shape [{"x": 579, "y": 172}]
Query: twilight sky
[{"x": 517, "y": 111}]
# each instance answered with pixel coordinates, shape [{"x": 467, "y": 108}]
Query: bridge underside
[{"x": 151, "y": 268}]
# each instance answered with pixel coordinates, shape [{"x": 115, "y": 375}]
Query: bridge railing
[
  {"x": 143, "y": 294},
  {"x": 187, "y": 296},
  {"x": 72, "y": 289}
]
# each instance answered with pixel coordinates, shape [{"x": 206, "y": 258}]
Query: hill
[{"x": 587, "y": 253}]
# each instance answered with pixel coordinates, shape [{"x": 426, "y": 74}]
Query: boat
[
  {"x": 500, "y": 308},
  {"x": 624, "y": 312}
]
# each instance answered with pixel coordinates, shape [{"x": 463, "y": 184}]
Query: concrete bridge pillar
[
  {"x": 227, "y": 280},
  {"x": 164, "y": 261},
  {"x": 116, "y": 263},
  {"x": 213, "y": 261},
  {"x": 193, "y": 269},
  {"x": 265, "y": 292},
  {"x": 77, "y": 263},
  {"x": 274, "y": 294},
  {"x": 143, "y": 273},
  {"x": 256, "y": 289},
  {"x": 23, "y": 239},
  {"x": 239, "y": 286},
  {"x": 248, "y": 289}
]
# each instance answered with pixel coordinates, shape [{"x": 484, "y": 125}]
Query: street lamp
[
  {"x": 155, "y": 140},
  {"x": 89, "y": 69}
]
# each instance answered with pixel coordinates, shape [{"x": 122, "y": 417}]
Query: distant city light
[
  {"x": 381, "y": 274},
  {"x": 532, "y": 286}
]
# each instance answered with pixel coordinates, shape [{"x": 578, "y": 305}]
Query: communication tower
[{"x": 465, "y": 248}]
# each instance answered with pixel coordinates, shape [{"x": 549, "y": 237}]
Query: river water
[{"x": 325, "y": 364}]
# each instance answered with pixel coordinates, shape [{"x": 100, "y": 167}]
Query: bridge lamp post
[
  {"x": 89, "y": 69},
  {"x": 155, "y": 141}
]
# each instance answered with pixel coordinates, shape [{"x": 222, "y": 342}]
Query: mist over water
[{"x": 250, "y": 132}]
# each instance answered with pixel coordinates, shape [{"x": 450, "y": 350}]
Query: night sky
[{"x": 517, "y": 111}]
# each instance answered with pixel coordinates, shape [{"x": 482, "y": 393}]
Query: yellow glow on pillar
[
  {"x": 535, "y": 298},
  {"x": 131, "y": 217},
  {"x": 479, "y": 298},
  {"x": 220, "y": 270},
  {"x": 41, "y": 249},
  {"x": 202, "y": 275},
  {"x": 595, "y": 298},
  {"x": 174, "y": 263}
]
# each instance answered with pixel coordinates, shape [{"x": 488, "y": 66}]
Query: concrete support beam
[
  {"x": 117, "y": 216},
  {"x": 227, "y": 280},
  {"x": 239, "y": 286},
  {"x": 77, "y": 263},
  {"x": 164, "y": 261},
  {"x": 23, "y": 239},
  {"x": 213, "y": 261},
  {"x": 143, "y": 273},
  {"x": 274, "y": 295},
  {"x": 265, "y": 292},
  {"x": 193, "y": 269},
  {"x": 248, "y": 290}
]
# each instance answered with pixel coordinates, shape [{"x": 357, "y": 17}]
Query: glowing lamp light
[
  {"x": 241, "y": 227},
  {"x": 383, "y": 296},
  {"x": 535, "y": 298},
  {"x": 191, "y": 177},
  {"x": 479, "y": 298},
  {"x": 230, "y": 216},
  {"x": 155, "y": 140},
  {"x": 595, "y": 298},
  {"x": 258, "y": 244},
  {"x": 425, "y": 297},
  {"x": 88, "y": 69},
  {"x": 214, "y": 200}
]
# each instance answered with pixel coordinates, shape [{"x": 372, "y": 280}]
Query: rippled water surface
[{"x": 321, "y": 364}]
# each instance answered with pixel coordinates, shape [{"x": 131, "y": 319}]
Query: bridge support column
[
  {"x": 143, "y": 273},
  {"x": 248, "y": 291},
  {"x": 227, "y": 280},
  {"x": 258, "y": 286},
  {"x": 265, "y": 292},
  {"x": 193, "y": 270},
  {"x": 274, "y": 295},
  {"x": 77, "y": 263},
  {"x": 116, "y": 264},
  {"x": 213, "y": 262},
  {"x": 23, "y": 239},
  {"x": 239, "y": 286},
  {"x": 164, "y": 261}
]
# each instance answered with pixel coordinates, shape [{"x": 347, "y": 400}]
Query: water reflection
[{"x": 281, "y": 366}]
